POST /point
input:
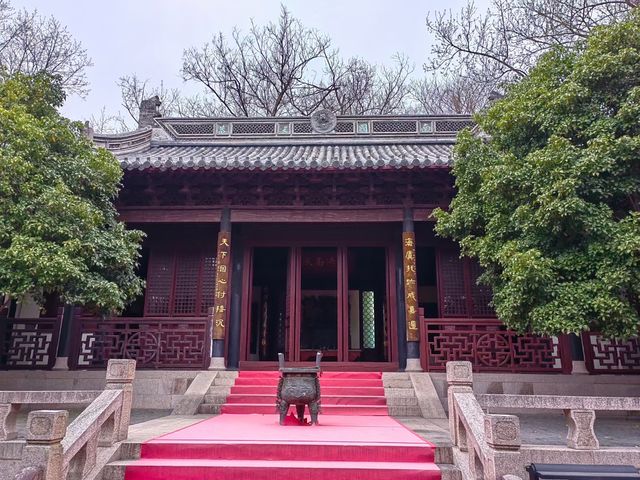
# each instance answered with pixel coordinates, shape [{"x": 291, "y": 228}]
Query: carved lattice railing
[
  {"x": 28, "y": 343},
  {"x": 605, "y": 355},
  {"x": 490, "y": 347},
  {"x": 153, "y": 342}
]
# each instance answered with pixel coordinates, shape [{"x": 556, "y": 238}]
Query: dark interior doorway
[
  {"x": 367, "y": 315},
  {"x": 319, "y": 303},
  {"x": 269, "y": 315}
]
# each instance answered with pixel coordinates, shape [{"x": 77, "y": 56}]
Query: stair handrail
[{"x": 55, "y": 451}]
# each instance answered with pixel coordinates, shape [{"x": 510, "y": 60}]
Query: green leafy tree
[
  {"x": 549, "y": 200},
  {"x": 58, "y": 227}
]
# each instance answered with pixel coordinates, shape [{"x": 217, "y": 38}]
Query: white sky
[{"x": 148, "y": 37}]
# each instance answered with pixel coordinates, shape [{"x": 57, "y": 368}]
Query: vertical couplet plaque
[
  {"x": 218, "y": 313},
  {"x": 410, "y": 285}
]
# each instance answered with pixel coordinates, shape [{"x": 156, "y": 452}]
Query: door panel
[{"x": 332, "y": 299}]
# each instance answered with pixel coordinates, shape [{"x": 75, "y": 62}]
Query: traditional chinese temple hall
[{"x": 293, "y": 235}]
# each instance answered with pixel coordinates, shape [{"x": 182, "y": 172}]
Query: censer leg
[
  {"x": 300, "y": 412},
  {"x": 314, "y": 407}
]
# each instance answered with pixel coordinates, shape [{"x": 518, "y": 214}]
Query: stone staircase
[
  {"x": 218, "y": 393},
  {"x": 400, "y": 394},
  {"x": 130, "y": 450},
  {"x": 401, "y": 399},
  {"x": 398, "y": 389}
]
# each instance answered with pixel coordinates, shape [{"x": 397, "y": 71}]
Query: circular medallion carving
[
  {"x": 493, "y": 349},
  {"x": 323, "y": 121},
  {"x": 142, "y": 346}
]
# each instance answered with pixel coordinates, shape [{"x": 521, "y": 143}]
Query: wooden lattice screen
[
  {"x": 179, "y": 283},
  {"x": 459, "y": 293}
]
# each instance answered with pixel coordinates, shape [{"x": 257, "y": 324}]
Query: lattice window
[
  {"x": 368, "y": 320},
  {"x": 253, "y": 128},
  {"x": 390, "y": 126},
  {"x": 193, "y": 128},
  {"x": 452, "y": 125},
  {"x": 480, "y": 294},
  {"x": 186, "y": 284},
  {"x": 344, "y": 127},
  {"x": 208, "y": 284},
  {"x": 159, "y": 284},
  {"x": 180, "y": 283},
  {"x": 302, "y": 128},
  {"x": 460, "y": 295},
  {"x": 453, "y": 292}
]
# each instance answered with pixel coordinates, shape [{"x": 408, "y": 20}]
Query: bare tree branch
[
  {"x": 31, "y": 44},
  {"x": 504, "y": 43}
]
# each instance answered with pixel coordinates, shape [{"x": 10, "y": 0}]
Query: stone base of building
[
  {"x": 62, "y": 363},
  {"x": 413, "y": 365},
  {"x": 217, "y": 363},
  {"x": 578, "y": 367}
]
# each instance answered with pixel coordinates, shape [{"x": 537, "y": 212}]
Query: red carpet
[
  {"x": 343, "y": 393},
  {"x": 254, "y": 447}
]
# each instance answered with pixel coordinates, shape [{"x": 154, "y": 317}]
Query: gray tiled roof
[
  {"x": 375, "y": 142},
  {"x": 297, "y": 157}
]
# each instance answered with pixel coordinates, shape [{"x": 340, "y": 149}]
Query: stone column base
[
  {"x": 413, "y": 365},
  {"x": 62, "y": 363},
  {"x": 578, "y": 367},
  {"x": 217, "y": 363}
]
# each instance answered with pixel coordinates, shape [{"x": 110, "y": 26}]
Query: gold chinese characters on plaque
[
  {"x": 410, "y": 285},
  {"x": 218, "y": 312}
]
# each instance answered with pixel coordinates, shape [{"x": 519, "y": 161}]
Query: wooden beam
[
  {"x": 315, "y": 215},
  {"x": 170, "y": 215}
]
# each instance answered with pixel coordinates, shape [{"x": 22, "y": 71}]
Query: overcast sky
[{"x": 148, "y": 37}]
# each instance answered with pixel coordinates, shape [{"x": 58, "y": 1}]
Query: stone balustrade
[
  {"x": 12, "y": 401},
  {"x": 489, "y": 446},
  {"x": 54, "y": 450}
]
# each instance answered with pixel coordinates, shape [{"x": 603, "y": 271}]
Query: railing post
[
  {"x": 459, "y": 379},
  {"x": 502, "y": 434},
  {"x": 45, "y": 431},
  {"x": 581, "y": 435},
  {"x": 120, "y": 375},
  {"x": 8, "y": 414}
]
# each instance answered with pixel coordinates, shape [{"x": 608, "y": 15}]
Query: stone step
[
  {"x": 395, "y": 376},
  {"x": 405, "y": 411},
  {"x": 113, "y": 471},
  {"x": 116, "y": 471},
  {"x": 397, "y": 383},
  {"x": 226, "y": 381},
  {"x": 393, "y": 401},
  {"x": 219, "y": 390},
  {"x": 399, "y": 392},
  {"x": 215, "y": 399},
  {"x": 449, "y": 471},
  {"x": 210, "y": 408}
]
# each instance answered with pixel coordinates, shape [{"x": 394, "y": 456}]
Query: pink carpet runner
[{"x": 349, "y": 444}]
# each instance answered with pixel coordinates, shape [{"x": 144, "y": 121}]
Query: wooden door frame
[{"x": 294, "y": 271}]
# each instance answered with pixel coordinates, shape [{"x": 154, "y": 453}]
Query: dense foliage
[
  {"x": 549, "y": 202},
  {"x": 58, "y": 227}
]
